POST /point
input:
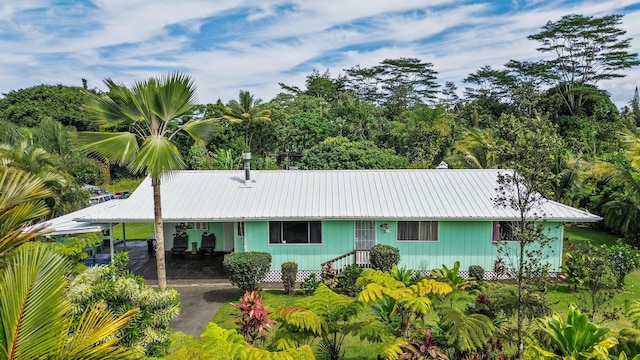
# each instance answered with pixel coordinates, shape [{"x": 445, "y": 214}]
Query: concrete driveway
[{"x": 200, "y": 303}]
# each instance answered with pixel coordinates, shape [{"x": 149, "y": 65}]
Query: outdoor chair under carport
[
  {"x": 208, "y": 244},
  {"x": 180, "y": 244}
]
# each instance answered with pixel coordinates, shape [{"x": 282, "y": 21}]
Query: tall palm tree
[
  {"x": 34, "y": 320},
  {"x": 246, "y": 111},
  {"x": 21, "y": 202},
  {"x": 151, "y": 109}
]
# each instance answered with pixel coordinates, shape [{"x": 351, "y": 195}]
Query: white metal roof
[
  {"x": 334, "y": 194},
  {"x": 72, "y": 223}
]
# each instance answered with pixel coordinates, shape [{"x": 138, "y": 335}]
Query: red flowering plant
[{"x": 253, "y": 321}]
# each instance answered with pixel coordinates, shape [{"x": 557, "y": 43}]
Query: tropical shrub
[
  {"x": 222, "y": 344},
  {"x": 325, "y": 315},
  {"x": 348, "y": 281},
  {"x": 383, "y": 257},
  {"x": 574, "y": 269},
  {"x": 629, "y": 338},
  {"x": 476, "y": 272},
  {"x": 34, "y": 312},
  {"x": 309, "y": 284},
  {"x": 397, "y": 308},
  {"x": 119, "y": 291},
  {"x": 575, "y": 338},
  {"x": 247, "y": 270},
  {"x": 253, "y": 321},
  {"x": 624, "y": 259},
  {"x": 459, "y": 284},
  {"x": 289, "y": 275},
  {"x": 329, "y": 276}
]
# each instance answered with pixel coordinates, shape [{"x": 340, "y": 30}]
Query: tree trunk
[{"x": 157, "y": 217}]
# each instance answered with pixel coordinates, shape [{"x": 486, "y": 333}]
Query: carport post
[
  {"x": 124, "y": 236},
  {"x": 113, "y": 250}
]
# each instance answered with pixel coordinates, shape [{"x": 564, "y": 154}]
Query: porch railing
[{"x": 358, "y": 257}]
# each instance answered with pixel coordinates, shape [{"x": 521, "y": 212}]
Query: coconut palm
[
  {"x": 34, "y": 321},
  {"x": 21, "y": 202},
  {"x": 246, "y": 111},
  {"x": 151, "y": 109}
]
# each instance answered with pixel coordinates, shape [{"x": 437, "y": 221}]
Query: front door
[{"x": 365, "y": 238}]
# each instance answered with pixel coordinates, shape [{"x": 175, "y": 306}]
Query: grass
[
  {"x": 123, "y": 184},
  {"x": 581, "y": 235},
  {"x": 134, "y": 231}
]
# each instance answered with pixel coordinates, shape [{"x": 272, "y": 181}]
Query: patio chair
[
  {"x": 208, "y": 244},
  {"x": 180, "y": 244}
]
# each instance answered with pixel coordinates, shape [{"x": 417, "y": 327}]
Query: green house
[{"x": 434, "y": 217}]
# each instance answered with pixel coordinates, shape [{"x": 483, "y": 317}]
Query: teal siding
[
  {"x": 466, "y": 241},
  {"x": 337, "y": 239}
]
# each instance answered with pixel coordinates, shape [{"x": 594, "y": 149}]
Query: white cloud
[{"x": 275, "y": 41}]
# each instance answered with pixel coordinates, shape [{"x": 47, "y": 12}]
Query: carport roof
[
  {"x": 442, "y": 194},
  {"x": 73, "y": 223}
]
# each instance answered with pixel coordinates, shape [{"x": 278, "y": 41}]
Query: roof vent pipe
[
  {"x": 246, "y": 157},
  {"x": 442, "y": 165}
]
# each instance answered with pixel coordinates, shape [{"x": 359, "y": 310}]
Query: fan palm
[
  {"x": 245, "y": 112},
  {"x": 151, "y": 109},
  {"x": 34, "y": 323},
  {"x": 21, "y": 202}
]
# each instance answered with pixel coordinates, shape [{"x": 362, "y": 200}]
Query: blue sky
[{"x": 232, "y": 45}]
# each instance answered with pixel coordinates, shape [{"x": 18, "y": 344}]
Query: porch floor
[{"x": 184, "y": 269}]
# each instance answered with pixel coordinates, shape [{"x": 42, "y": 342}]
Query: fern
[
  {"x": 632, "y": 310},
  {"x": 466, "y": 332},
  {"x": 392, "y": 348},
  {"x": 303, "y": 319}
]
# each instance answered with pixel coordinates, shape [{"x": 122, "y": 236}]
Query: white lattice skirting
[{"x": 275, "y": 276}]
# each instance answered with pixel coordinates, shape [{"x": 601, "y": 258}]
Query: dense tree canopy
[{"x": 547, "y": 113}]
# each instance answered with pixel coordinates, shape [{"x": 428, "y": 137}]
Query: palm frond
[
  {"x": 120, "y": 148},
  {"x": 32, "y": 306},
  {"x": 200, "y": 129},
  {"x": 21, "y": 202},
  {"x": 88, "y": 341},
  {"x": 157, "y": 156}
]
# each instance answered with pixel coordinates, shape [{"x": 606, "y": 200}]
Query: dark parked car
[{"x": 123, "y": 194}]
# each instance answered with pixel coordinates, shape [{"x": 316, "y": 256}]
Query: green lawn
[
  {"x": 580, "y": 235},
  {"x": 135, "y": 231}
]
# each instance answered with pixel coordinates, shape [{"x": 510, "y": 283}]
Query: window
[
  {"x": 502, "y": 231},
  {"x": 295, "y": 232},
  {"x": 240, "y": 231},
  {"x": 417, "y": 231}
]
